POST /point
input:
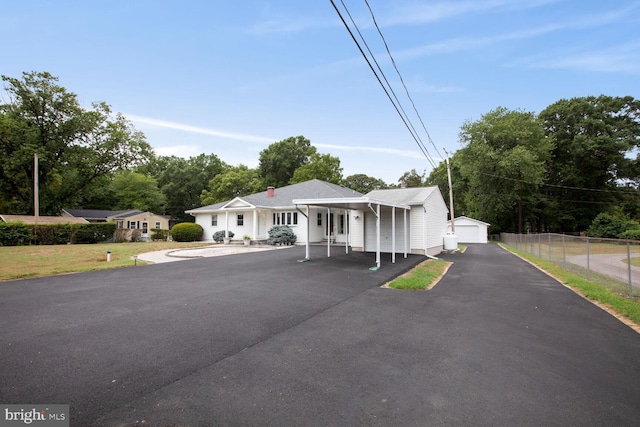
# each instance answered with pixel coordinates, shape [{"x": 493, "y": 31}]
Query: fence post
[
  {"x": 564, "y": 254},
  {"x": 549, "y": 246},
  {"x": 588, "y": 262},
  {"x": 629, "y": 269},
  {"x": 539, "y": 245}
]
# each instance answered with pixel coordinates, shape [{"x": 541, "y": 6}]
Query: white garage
[{"x": 469, "y": 230}]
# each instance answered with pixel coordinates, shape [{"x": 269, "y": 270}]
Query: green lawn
[
  {"x": 18, "y": 262},
  {"x": 421, "y": 277}
]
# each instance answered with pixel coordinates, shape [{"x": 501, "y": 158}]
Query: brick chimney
[{"x": 271, "y": 191}]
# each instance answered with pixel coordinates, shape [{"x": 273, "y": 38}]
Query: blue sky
[{"x": 230, "y": 78}]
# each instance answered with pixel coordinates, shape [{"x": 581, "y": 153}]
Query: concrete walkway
[{"x": 171, "y": 255}]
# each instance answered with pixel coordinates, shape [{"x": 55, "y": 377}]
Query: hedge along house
[
  {"x": 403, "y": 220},
  {"x": 254, "y": 215}
]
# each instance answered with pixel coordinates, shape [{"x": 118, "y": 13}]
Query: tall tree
[
  {"x": 136, "y": 191},
  {"x": 279, "y": 161},
  {"x": 504, "y": 162},
  {"x": 411, "y": 179},
  {"x": 183, "y": 180},
  {"x": 439, "y": 177},
  {"x": 594, "y": 139},
  {"x": 320, "y": 166},
  {"x": 235, "y": 182},
  {"x": 75, "y": 146},
  {"x": 363, "y": 183}
]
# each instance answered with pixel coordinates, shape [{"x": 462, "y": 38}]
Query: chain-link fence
[{"x": 612, "y": 263}]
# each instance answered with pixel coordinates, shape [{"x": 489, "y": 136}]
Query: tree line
[
  {"x": 555, "y": 171},
  {"x": 96, "y": 159}
]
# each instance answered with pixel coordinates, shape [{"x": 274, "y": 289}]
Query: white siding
[
  {"x": 386, "y": 231},
  {"x": 436, "y": 211}
]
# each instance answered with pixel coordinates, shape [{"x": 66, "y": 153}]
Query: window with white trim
[
  {"x": 285, "y": 218},
  {"x": 214, "y": 220},
  {"x": 158, "y": 225},
  {"x": 240, "y": 221}
]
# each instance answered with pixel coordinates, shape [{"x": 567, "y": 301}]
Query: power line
[
  {"x": 566, "y": 187},
  {"x": 375, "y": 22},
  {"x": 420, "y": 143},
  {"x": 404, "y": 120}
]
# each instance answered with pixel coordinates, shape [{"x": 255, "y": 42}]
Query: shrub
[
  {"x": 93, "y": 233},
  {"x": 52, "y": 234},
  {"x": 120, "y": 235},
  {"x": 633, "y": 234},
  {"x": 15, "y": 234},
  {"x": 611, "y": 226},
  {"x": 186, "y": 232},
  {"x": 281, "y": 235},
  {"x": 218, "y": 236},
  {"x": 160, "y": 234}
]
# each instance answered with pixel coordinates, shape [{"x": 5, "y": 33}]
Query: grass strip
[
  {"x": 422, "y": 277},
  {"x": 617, "y": 304},
  {"x": 19, "y": 262}
]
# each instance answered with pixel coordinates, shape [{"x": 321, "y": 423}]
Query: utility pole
[
  {"x": 453, "y": 226},
  {"x": 36, "y": 202}
]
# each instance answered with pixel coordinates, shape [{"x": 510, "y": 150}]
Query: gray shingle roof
[
  {"x": 284, "y": 196},
  {"x": 407, "y": 196},
  {"x": 99, "y": 214}
]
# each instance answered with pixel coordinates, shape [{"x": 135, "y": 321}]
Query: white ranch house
[{"x": 337, "y": 215}]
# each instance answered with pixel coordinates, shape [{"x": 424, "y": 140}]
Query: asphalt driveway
[{"x": 259, "y": 339}]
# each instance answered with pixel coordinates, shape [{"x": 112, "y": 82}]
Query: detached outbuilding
[{"x": 469, "y": 230}]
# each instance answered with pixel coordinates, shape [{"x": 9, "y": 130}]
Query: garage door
[{"x": 467, "y": 233}]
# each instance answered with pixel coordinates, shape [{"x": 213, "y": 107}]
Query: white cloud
[
  {"x": 617, "y": 59},
  {"x": 194, "y": 129},
  {"x": 395, "y": 152},
  {"x": 184, "y": 151}
]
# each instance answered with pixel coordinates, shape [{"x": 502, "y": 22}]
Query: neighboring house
[
  {"x": 469, "y": 230},
  {"x": 31, "y": 219},
  {"x": 336, "y": 215},
  {"x": 132, "y": 219}
]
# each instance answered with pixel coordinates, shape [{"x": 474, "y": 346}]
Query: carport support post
[
  {"x": 346, "y": 231},
  {"x": 328, "y": 232},
  {"x": 393, "y": 235},
  {"x": 226, "y": 224},
  {"x": 307, "y": 257},
  {"x": 406, "y": 243},
  {"x": 378, "y": 235}
]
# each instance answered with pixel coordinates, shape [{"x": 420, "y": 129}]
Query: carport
[{"x": 364, "y": 204}]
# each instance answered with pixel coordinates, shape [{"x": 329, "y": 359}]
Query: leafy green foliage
[
  {"x": 182, "y": 181},
  {"x": 320, "y": 166},
  {"x": 186, "y": 232},
  {"x": 92, "y": 233},
  {"x": 52, "y": 234},
  {"x": 504, "y": 162},
  {"x": 234, "y": 182},
  {"x": 279, "y": 161},
  {"x": 412, "y": 179},
  {"x": 159, "y": 234},
  {"x": 281, "y": 235},
  {"x": 15, "y": 234},
  {"x": 136, "y": 191},
  {"x": 614, "y": 227},
  {"x": 363, "y": 183},
  {"x": 75, "y": 146},
  {"x": 218, "y": 236}
]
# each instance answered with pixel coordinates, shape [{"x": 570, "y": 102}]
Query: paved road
[
  {"x": 259, "y": 339},
  {"x": 609, "y": 264}
]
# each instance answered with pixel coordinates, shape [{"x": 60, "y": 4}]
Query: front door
[{"x": 145, "y": 230}]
